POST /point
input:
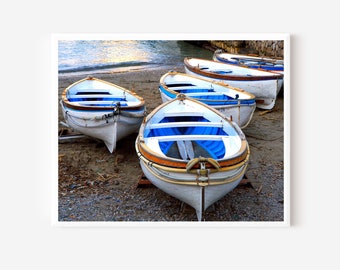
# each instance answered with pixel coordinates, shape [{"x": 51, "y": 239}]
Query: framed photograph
[{"x": 171, "y": 129}]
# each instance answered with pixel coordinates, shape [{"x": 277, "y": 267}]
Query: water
[{"x": 118, "y": 55}]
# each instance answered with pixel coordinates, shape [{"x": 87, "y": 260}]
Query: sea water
[{"x": 117, "y": 55}]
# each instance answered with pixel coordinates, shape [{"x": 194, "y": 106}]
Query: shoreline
[
  {"x": 95, "y": 185},
  {"x": 117, "y": 70}
]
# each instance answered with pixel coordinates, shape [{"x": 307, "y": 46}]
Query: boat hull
[
  {"x": 102, "y": 110},
  {"x": 199, "y": 195},
  {"x": 99, "y": 125}
]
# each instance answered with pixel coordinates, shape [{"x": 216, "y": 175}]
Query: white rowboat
[
  {"x": 102, "y": 110},
  {"x": 192, "y": 152},
  {"x": 234, "y": 103},
  {"x": 265, "y": 85},
  {"x": 251, "y": 61}
]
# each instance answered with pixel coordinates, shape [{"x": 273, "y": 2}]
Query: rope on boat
[
  {"x": 107, "y": 117},
  {"x": 174, "y": 179},
  {"x": 201, "y": 160},
  {"x": 114, "y": 141},
  {"x": 202, "y": 177},
  {"x": 249, "y": 119},
  {"x": 164, "y": 173}
]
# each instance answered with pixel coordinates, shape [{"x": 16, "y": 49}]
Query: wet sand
[{"x": 95, "y": 185}]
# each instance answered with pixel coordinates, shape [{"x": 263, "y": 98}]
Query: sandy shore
[{"x": 95, "y": 185}]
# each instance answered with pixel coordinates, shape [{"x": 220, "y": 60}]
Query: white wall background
[{"x": 27, "y": 239}]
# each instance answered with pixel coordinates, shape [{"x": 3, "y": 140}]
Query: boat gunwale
[
  {"x": 75, "y": 106},
  {"x": 154, "y": 157}
]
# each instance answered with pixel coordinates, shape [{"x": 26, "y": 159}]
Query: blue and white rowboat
[
  {"x": 250, "y": 61},
  {"x": 192, "y": 152},
  {"x": 265, "y": 85},
  {"x": 234, "y": 103}
]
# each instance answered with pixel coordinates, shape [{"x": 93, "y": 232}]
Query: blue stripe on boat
[
  {"x": 107, "y": 105},
  {"x": 96, "y": 99},
  {"x": 195, "y": 90}
]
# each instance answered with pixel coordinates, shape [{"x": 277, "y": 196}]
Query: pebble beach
[{"x": 95, "y": 185}]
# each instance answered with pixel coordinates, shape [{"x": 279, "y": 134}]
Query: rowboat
[
  {"x": 250, "y": 61},
  {"x": 265, "y": 85},
  {"x": 232, "y": 102},
  {"x": 192, "y": 152},
  {"x": 102, "y": 110}
]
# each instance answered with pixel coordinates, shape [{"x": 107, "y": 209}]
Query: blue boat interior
[
  {"x": 201, "y": 93},
  {"x": 205, "y": 94},
  {"x": 227, "y": 71},
  {"x": 207, "y": 148},
  {"x": 98, "y": 98}
]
